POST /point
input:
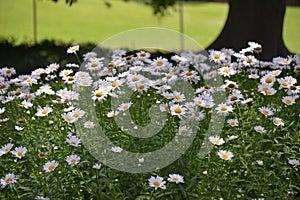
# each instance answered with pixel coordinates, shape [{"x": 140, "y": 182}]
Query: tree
[{"x": 254, "y": 20}]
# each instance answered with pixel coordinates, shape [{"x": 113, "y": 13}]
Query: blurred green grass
[{"x": 92, "y": 21}]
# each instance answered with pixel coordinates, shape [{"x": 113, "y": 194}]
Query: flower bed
[{"x": 48, "y": 134}]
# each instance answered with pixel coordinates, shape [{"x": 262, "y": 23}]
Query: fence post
[
  {"x": 181, "y": 24},
  {"x": 34, "y": 23}
]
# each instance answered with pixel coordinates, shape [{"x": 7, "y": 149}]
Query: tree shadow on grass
[{"x": 27, "y": 57}]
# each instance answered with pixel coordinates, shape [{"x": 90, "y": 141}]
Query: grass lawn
[{"x": 92, "y": 21}]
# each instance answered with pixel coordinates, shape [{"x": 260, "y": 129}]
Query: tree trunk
[{"x": 259, "y": 21}]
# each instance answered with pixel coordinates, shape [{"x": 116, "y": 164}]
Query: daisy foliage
[{"x": 254, "y": 155}]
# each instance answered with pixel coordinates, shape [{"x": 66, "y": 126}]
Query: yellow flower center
[
  {"x": 225, "y": 156},
  {"x": 8, "y": 180},
  {"x": 2, "y": 86},
  {"x": 7, "y": 149},
  {"x": 99, "y": 94},
  {"x": 284, "y": 84},
  {"x": 110, "y": 64},
  {"x": 135, "y": 79},
  {"x": 207, "y": 86},
  {"x": 68, "y": 119},
  {"x": 233, "y": 98},
  {"x": 257, "y": 48},
  {"x": 94, "y": 64},
  {"x": 224, "y": 108},
  {"x": 276, "y": 121},
  {"x": 76, "y": 114},
  {"x": 114, "y": 84},
  {"x": 217, "y": 142},
  {"x": 44, "y": 112},
  {"x": 141, "y": 87},
  {"x": 156, "y": 184},
  {"x": 207, "y": 105},
  {"x": 268, "y": 80},
  {"x": 175, "y": 179},
  {"x": 159, "y": 63},
  {"x": 226, "y": 71},
  {"x": 217, "y": 56},
  {"x": 233, "y": 124},
  {"x": 177, "y": 97},
  {"x": 177, "y": 110},
  {"x": 231, "y": 85},
  {"x": 189, "y": 73},
  {"x": 20, "y": 153},
  {"x": 168, "y": 76},
  {"x": 184, "y": 132},
  {"x": 70, "y": 78},
  {"x": 288, "y": 102},
  {"x": 8, "y": 71},
  {"x": 51, "y": 167},
  {"x": 73, "y": 161},
  {"x": 85, "y": 83},
  {"x": 293, "y": 87},
  {"x": 265, "y": 112}
]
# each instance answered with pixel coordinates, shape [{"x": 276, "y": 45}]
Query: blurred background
[{"x": 46, "y": 25}]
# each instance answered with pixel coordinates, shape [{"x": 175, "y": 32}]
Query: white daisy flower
[
  {"x": 97, "y": 166},
  {"x": 216, "y": 140},
  {"x": 9, "y": 179},
  {"x": 224, "y": 109},
  {"x": 19, "y": 152},
  {"x": 124, "y": 106},
  {"x": 232, "y": 122},
  {"x": 176, "y": 178},
  {"x": 278, "y": 121},
  {"x": 184, "y": 131},
  {"x": 89, "y": 124},
  {"x": 112, "y": 114},
  {"x": 294, "y": 162},
  {"x": 260, "y": 162},
  {"x": 50, "y": 166},
  {"x": 69, "y": 118},
  {"x": 6, "y": 148},
  {"x": 157, "y": 182},
  {"x": 225, "y": 155},
  {"x": 73, "y": 159},
  {"x": 266, "y": 111},
  {"x": 289, "y": 100},
  {"x": 2, "y": 110},
  {"x": 178, "y": 110},
  {"x": 42, "y": 112},
  {"x": 116, "y": 149},
  {"x": 73, "y": 49},
  {"x": 73, "y": 141},
  {"x": 259, "y": 129}
]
